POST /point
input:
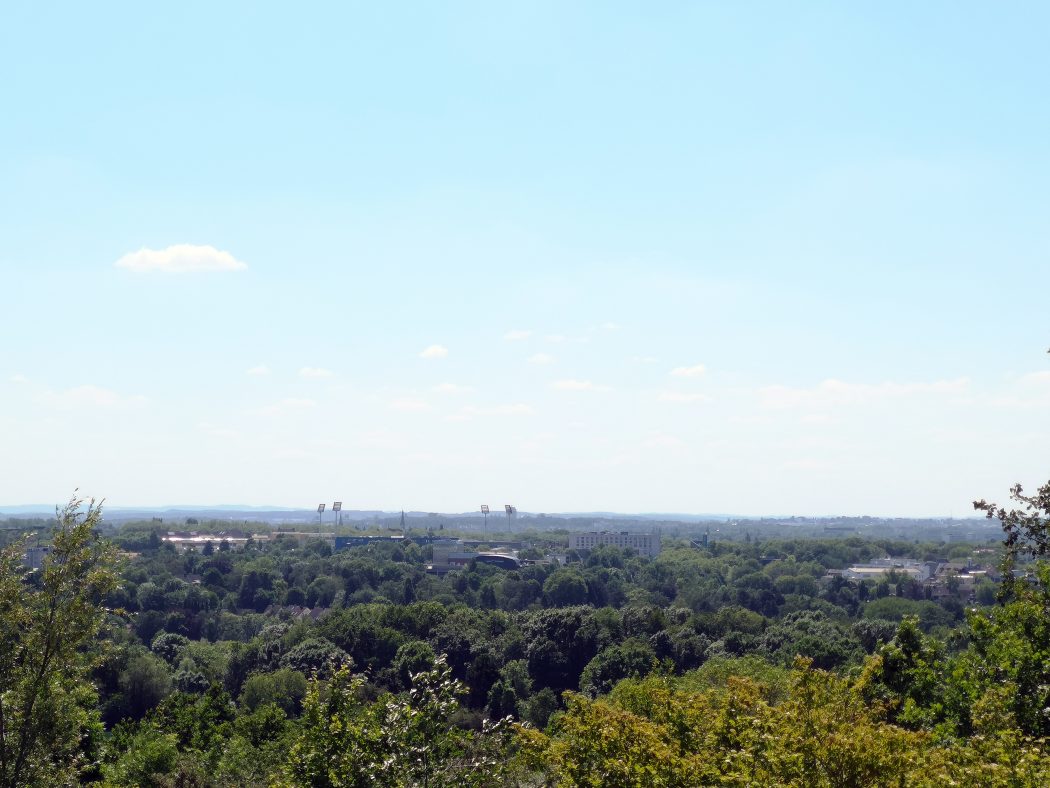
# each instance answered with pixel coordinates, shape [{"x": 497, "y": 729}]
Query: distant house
[{"x": 959, "y": 579}]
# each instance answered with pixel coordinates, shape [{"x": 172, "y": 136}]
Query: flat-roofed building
[
  {"x": 450, "y": 554},
  {"x": 646, "y": 544},
  {"x": 882, "y": 567}
]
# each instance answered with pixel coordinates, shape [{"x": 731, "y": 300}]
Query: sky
[{"x": 747, "y": 258}]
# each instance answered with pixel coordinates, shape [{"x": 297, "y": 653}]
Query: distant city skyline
[{"x": 763, "y": 259}]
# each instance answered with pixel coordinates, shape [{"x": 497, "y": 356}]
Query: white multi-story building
[{"x": 646, "y": 544}]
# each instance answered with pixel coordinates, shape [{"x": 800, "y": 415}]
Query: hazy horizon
[
  {"x": 497, "y": 512},
  {"x": 689, "y": 258}
]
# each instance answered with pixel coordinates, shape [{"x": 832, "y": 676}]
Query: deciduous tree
[{"x": 48, "y": 619}]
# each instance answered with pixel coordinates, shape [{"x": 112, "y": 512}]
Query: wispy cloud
[
  {"x": 683, "y": 397},
  {"x": 216, "y": 432},
  {"x": 452, "y": 388},
  {"x": 510, "y": 409},
  {"x": 577, "y": 385},
  {"x": 315, "y": 372},
  {"x": 410, "y": 405},
  {"x": 90, "y": 396},
  {"x": 541, "y": 358},
  {"x": 1032, "y": 391},
  {"x": 298, "y": 403},
  {"x": 180, "y": 259},
  {"x": 434, "y": 351},
  {"x": 382, "y": 439},
  {"x": 694, "y": 371},
  {"x": 805, "y": 464},
  {"x": 661, "y": 440},
  {"x": 1037, "y": 378},
  {"x": 819, "y": 418},
  {"x": 517, "y": 335},
  {"x": 837, "y": 392},
  {"x": 20, "y": 379},
  {"x": 293, "y": 453},
  {"x": 259, "y": 371},
  {"x": 287, "y": 405}
]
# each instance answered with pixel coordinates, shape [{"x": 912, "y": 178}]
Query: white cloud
[
  {"x": 683, "y": 398},
  {"x": 259, "y": 371},
  {"x": 452, "y": 388},
  {"x": 410, "y": 405},
  {"x": 216, "y": 432},
  {"x": 837, "y": 392},
  {"x": 804, "y": 464},
  {"x": 577, "y": 385},
  {"x": 510, "y": 409},
  {"x": 517, "y": 335},
  {"x": 515, "y": 409},
  {"x": 19, "y": 379},
  {"x": 541, "y": 358},
  {"x": 315, "y": 372},
  {"x": 1037, "y": 378},
  {"x": 284, "y": 406},
  {"x": 382, "y": 439},
  {"x": 663, "y": 441},
  {"x": 298, "y": 403},
  {"x": 434, "y": 351},
  {"x": 819, "y": 418},
  {"x": 1034, "y": 392},
  {"x": 93, "y": 397},
  {"x": 290, "y": 454},
  {"x": 694, "y": 371},
  {"x": 180, "y": 259}
]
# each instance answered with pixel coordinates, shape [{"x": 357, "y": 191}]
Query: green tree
[
  {"x": 1027, "y": 530},
  {"x": 46, "y": 622},
  {"x": 413, "y": 657},
  {"x": 284, "y": 688},
  {"x": 633, "y": 657},
  {"x": 564, "y": 588},
  {"x": 144, "y": 682},
  {"x": 315, "y": 656},
  {"x": 399, "y": 740}
]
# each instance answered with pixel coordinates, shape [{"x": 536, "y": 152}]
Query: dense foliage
[{"x": 733, "y": 664}]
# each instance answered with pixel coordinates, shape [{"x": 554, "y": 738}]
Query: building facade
[{"x": 645, "y": 544}]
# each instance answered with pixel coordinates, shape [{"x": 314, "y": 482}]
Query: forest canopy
[{"x": 740, "y": 663}]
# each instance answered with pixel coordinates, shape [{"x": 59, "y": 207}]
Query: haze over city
[{"x": 680, "y": 259}]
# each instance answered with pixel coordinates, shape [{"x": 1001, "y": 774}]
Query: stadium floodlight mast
[
  {"x": 485, "y": 511},
  {"x": 511, "y": 511},
  {"x": 320, "y": 513},
  {"x": 337, "y": 507}
]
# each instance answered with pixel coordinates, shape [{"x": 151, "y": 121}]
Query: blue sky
[{"x": 749, "y": 258}]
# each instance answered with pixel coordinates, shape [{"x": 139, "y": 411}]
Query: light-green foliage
[
  {"x": 650, "y": 733},
  {"x": 398, "y": 740},
  {"x": 47, "y": 714},
  {"x": 285, "y": 688}
]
